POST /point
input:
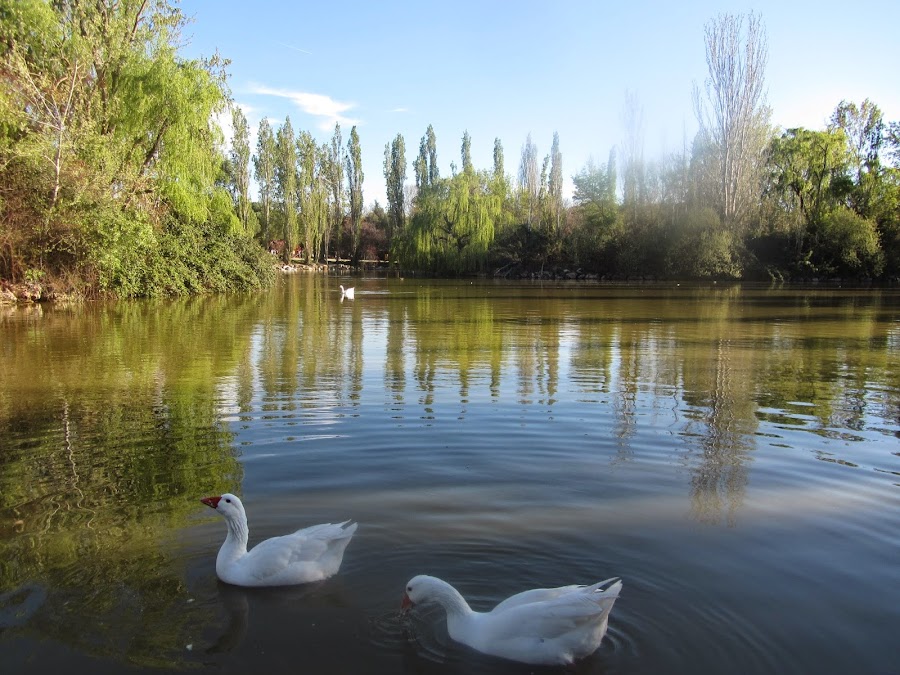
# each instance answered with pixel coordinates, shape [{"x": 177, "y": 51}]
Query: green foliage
[
  {"x": 133, "y": 259},
  {"x": 425, "y": 166},
  {"x": 453, "y": 225},
  {"x": 597, "y": 225},
  {"x": 240, "y": 160},
  {"x": 395, "y": 180},
  {"x": 264, "y": 172},
  {"x": 703, "y": 249},
  {"x": 106, "y": 139},
  {"x": 333, "y": 169},
  {"x": 286, "y": 185},
  {"x": 121, "y": 249},
  {"x": 807, "y": 169},
  {"x": 521, "y": 247},
  {"x": 848, "y": 245},
  {"x": 355, "y": 177}
]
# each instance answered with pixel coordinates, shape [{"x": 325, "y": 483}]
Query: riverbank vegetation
[
  {"x": 116, "y": 179},
  {"x": 111, "y": 169}
]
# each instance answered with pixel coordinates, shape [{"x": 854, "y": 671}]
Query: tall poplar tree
[
  {"x": 529, "y": 182},
  {"x": 499, "y": 184},
  {"x": 308, "y": 178},
  {"x": 433, "y": 172},
  {"x": 355, "y": 178},
  {"x": 286, "y": 185},
  {"x": 556, "y": 183},
  {"x": 466, "y": 153},
  {"x": 499, "y": 169},
  {"x": 240, "y": 166},
  {"x": 395, "y": 179},
  {"x": 334, "y": 166},
  {"x": 264, "y": 171},
  {"x": 425, "y": 166}
]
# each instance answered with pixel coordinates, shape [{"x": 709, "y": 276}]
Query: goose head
[
  {"x": 228, "y": 505},
  {"x": 419, "y": 590}
]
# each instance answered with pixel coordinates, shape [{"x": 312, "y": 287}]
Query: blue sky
[{"x": 504, "y": 69}]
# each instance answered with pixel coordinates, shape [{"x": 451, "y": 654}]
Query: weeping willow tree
[
  {"x": 109, "y": 158},
  {"x": 454, "y": 223}
]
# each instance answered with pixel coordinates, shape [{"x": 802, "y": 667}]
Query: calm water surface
[{"x": 731, "y": 453}]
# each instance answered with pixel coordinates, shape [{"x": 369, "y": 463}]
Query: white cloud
[
  {"x": 400, "y": 110},
  {"x": 223, "y": 120},
  {"x": 317, "y": 105}
]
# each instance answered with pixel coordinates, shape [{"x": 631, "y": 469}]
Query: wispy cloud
[
  {"x": 224, "y": 120},
  {"x": 296, "y": 49},
  {"x": 317, "y": 105},
  {"x": 400, "y": 110}
]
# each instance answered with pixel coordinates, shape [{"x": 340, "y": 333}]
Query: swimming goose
[
  {"x": 310, "y": 554},
  {"x": 349, "y": 293},
  {"x": 546, "y": 626}
]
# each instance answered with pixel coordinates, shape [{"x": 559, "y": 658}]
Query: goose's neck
[
  {"x": 452, "y": 601},
  {"x": 462, "y": 620},
  {"x": 236, "y": 540}
]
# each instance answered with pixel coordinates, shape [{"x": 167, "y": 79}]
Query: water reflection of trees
[
  {"x": 710, "y": 358},
  {"x": 112, "y": 417},
  {"x": 111, "y": 429}
]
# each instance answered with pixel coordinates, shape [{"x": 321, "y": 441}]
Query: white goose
[
  {"x": 546, "y": 626},
  {"x": 349, "y": 293},
  {"x": 310, "y": 554}
]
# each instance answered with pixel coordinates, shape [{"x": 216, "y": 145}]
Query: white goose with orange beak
[
  {"x": 311, "y": 554},
  {"x": 543, "y": 626}
]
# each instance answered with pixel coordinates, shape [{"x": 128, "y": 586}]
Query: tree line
[
  {"x": 114, "y": 177},
  {"x": 742, "y": 199}
]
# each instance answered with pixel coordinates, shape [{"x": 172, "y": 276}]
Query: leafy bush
[
  {"x": 848, "y": 245},
  {"x": 132, "y": 259},
  {"x": 703, "y": 248}
]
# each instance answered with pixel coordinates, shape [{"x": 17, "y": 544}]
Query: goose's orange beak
[
  {"x": 211, "y": 502},
  {"x": 405, "y": 604}
]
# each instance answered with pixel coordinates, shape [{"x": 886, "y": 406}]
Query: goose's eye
[
  {"x": 228, "y": 501},
  {"x": 409, "y": 589}
]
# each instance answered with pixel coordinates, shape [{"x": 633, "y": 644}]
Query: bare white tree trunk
[
  {"x": 633, "y": 169},
  {"x": 734, "y": 116},
  {"x": 529, "y": 179}
]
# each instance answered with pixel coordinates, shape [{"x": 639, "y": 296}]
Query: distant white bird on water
[{"x": 348, "y": 293}]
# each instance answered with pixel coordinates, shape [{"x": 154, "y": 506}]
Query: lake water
[{"x": 730, "y": 452}]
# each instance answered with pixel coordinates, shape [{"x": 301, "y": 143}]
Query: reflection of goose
[
  {"x": 311, "y": 554},
  {"x": 348, "y": 293},
  {"x": 551, "y": 626},
  {"x": 238, "y": 609}
]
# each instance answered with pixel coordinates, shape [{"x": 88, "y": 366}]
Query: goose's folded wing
[
  {"x": 545, "y": 620},
  {"x": 547, "y": 594},
  {"x": 534, "y": 595},
  {"x": 273, "y": 556}
]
